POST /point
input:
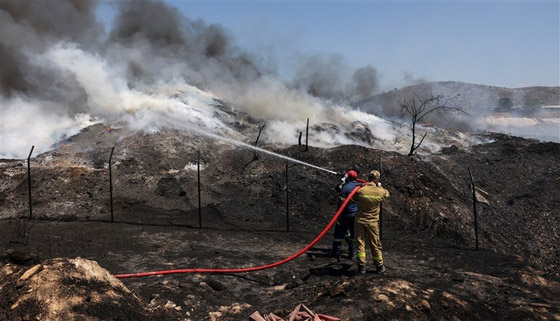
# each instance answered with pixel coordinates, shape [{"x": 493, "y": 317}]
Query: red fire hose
[{"x": 256, "y": 268}]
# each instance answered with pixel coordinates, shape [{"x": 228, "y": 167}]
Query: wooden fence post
[
  {"x": 287, "y": 201},
  {"x": 307, "y": 136},
  {"x": 199, "y": 195},
  {"x": 111, "y": 181},
  {"x": 29, "y": 182}
]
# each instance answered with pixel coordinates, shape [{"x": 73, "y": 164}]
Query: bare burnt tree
[
  {"x": 255, "y": 155},
  {"x": 418, "y": 108}
]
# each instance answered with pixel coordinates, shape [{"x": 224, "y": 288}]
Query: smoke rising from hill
[
  {"x": 330, "y": 77},
  {"x": 63, "y": 72},
  {"x": 158, "y": 69}
]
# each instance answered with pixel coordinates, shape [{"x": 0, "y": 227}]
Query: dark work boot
[
  {"x": 336, "y": 256},
  {"x": 352, "y": 254},
  {"x": 380, "y": 269},
  {"x": 362, "y": 268}
]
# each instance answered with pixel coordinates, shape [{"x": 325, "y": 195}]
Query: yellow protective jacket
[{"x": 369, "y": 198}]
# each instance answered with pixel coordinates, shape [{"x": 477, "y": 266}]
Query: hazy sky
[{"x": 498, "y": 43}]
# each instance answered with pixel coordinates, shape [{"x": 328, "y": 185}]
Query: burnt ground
[
  {"x": 424, "y": 281},
  {"x": 433, "y": 270}
]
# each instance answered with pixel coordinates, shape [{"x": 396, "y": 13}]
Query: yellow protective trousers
[{"x": 368, "y": 233}]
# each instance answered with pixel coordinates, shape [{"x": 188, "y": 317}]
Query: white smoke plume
[{"x": 156, "y": 69}]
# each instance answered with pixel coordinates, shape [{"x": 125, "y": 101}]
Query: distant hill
[{"x": 474, "y": 99}]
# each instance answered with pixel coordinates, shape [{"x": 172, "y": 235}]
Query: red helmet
[{"x": 352, "y": 174}]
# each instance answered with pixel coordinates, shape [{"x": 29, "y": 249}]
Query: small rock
[
  {"x": 216, "y": 285},
  {"x": 170, "y": 305},
  {"x": 294, "y": 284},
  {"x": 382, "y": 298},
  {"x": 450, "y": 150},
  {"x": 423, "y": 305},
  {"x": 336, "y": 290},
  {"x": 31, "y": 272},
  {"x": 280, "y": 287},
  {"x": 14, "y": 306}
]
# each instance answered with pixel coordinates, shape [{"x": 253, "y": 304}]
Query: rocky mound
[{"x": 68, "y": 289}]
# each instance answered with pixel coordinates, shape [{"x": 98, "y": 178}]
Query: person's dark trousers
[{"x": 344, "y": 230}]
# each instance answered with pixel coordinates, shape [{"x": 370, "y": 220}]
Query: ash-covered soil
[
  {"x": 428, "y": 233},
  {"x": 424, "y": 280}
]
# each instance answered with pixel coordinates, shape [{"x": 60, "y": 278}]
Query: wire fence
[{"x": 119, "y": 191}]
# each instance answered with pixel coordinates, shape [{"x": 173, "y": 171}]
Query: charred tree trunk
[
  {"x": 413, "y": 138},
  {"x": 474, "y": 209},
  {"x": 255, "y": 156}
]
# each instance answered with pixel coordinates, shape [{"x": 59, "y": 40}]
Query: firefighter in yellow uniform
[{"x": 366, "y": 224}]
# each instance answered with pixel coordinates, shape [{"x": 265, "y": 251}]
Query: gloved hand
[{"x": 379, "y": 184}]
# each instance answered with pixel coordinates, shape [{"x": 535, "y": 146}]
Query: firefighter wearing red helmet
[
  {"x": 344, "y": 228},
  {"x": 366, "y": 224}
]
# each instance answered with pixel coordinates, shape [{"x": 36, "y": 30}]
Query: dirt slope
[{"x": 522, "y": 178}]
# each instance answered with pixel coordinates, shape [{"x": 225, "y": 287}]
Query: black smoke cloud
[
  {"x": 214, "y": 62},
  {"x": 30, "y": 27},
  {"x": 151, "y": 21},
  {"x": 156, "y": 43},
  {"x": 364, "y": 83},
  {"x": 330, "y": 77},
  {"x": 321, "y": 76},
  {"x": 161, "y": 37},
  {"x": 153, "y": 38},
  {"x": 11, "y": 75},
  {"x": 64, "y": 19}
]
